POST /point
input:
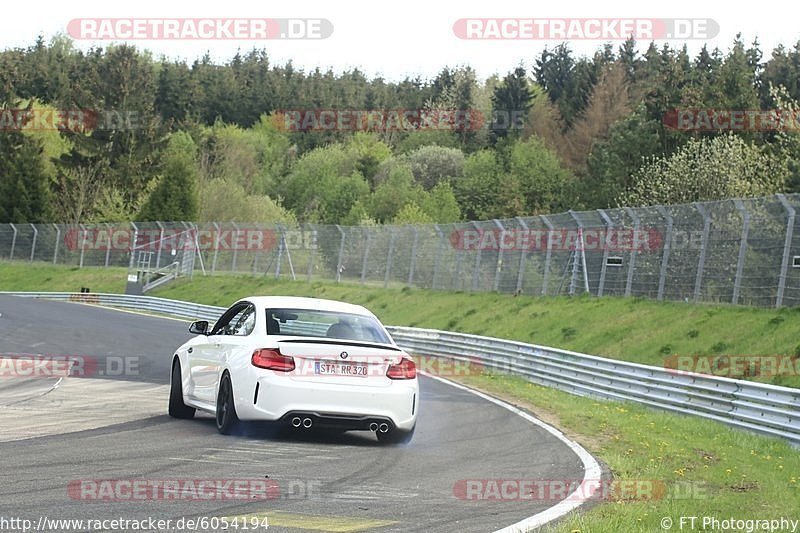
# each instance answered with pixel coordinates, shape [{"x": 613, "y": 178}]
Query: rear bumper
[{"x": 332, "y": 405}]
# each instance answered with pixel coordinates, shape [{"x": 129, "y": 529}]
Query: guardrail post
[
  {"x": 108, "y": 246},
  {"x": 522, "y": 254},
  {"x": 737, "y": 283},
  {"x": 601, "y": 284},
  {"x": 787, "y": 248},
  {"x": 235, "y": 247},
  {"x": 662, "y": 276},
  {"x": 365, "y": 259},
  {"x": 84, "y": 237},
  {"x": 389, "y": 258},
  {"x": 339, "y": 264},
  {"x": 701, "y": 263},
  {"x": 413, "y": 264},
  {"x": 33, "y": 243},
  {"x": 634, "y": 242},
  {"x": 438, "y": 259},
  {"x": 160, "y": 244},
  {"x": 13, "y": 242},
  {"x": 499, "y": 263},
  {"x": 476, "y": 268},
  {"x": 548, "y": 254}
]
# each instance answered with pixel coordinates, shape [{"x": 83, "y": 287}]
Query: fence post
[
  {"x": 477, "y": 267},
  {"x": 365, "y": 259},
  {"x": 548, "y": 254},
  {"x": 339, "y": 265},
  {"x": 216, "y": 248},
  {"x": 280, "y": 253},
  {"x": 58, "y": 239},
  {"x": 413, "y": 264},
  {"x": 522, "y": 253},
  {"x": 312, "y": 249},
  {"x": 632, "y": 265},
  {"x": 389, "y": 258},
  {"x": 737, "y": 284},
  {"x": 701, "y": 263},
  {"x": 160, "y": 243},
  {"x": 787, "y": 248},
  {"x": 438, "y": 259},
  {"x": 33, "y": 244},
  {"x": 84, "y": 237},
  {"x": 662, "y": 276},
  {"x": 13, "y": 242},
  {"x": 108, "y": 246},
  {"x": 133, "y": 245},
  {"x": 601, "y": 284},
  {"x": 578, "y": 250},
  {"x": 499, "y": 263},
  {"x": 236, "y": 247}
]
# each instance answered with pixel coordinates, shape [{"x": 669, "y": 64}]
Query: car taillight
[
  {"x": 272, "y": 360},
  {"x": 405, "y": 369}
]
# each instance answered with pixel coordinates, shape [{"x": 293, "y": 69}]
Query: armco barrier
[{"x": 758, "y": 407}]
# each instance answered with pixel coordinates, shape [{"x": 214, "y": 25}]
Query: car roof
[{"x": 301, "y": 302}]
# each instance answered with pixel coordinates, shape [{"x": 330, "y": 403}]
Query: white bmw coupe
[{"x": 302, "y": 362}]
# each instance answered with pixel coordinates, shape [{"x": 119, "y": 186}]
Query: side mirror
[{"x": 199, "y": 328}]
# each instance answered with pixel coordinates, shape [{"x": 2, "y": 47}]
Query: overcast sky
[{"x": 395, "y": 39}]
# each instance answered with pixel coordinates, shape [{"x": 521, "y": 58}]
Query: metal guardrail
[{"x": 758, "y": 407}]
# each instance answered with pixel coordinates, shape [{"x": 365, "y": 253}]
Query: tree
[
  {"x": 175, "y": 195},
  {"x": 434, "y": 164},
  {"x": 542, "y": 184},
  {"x": 24, "y": 188},
  {"x": 703, "y": 169},
  {"x": 511, "y": 103}
]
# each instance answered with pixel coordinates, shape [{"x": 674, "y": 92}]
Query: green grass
[
  {"x": 23, "y": 276},
  {"x": 707, "y": 468}
]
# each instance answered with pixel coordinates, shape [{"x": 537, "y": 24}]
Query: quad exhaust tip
[
  {"x": 373, "y": 426},
  {"x": 307, "y": 423},
  {"x": 296, "y": 422},
  {"x": 383, "y": 428}
]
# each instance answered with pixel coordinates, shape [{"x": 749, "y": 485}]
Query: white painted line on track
[{"x": 591, "y": 468}]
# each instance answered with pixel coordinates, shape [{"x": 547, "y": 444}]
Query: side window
[
  {"x": 245, "y": 322},
  {"x": 237, "y": 321}
]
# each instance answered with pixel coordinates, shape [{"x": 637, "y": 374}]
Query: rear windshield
[{"x": 329, "y": 324}]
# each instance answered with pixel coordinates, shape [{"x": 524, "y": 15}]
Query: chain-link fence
[{"x": 733, "y": 251}]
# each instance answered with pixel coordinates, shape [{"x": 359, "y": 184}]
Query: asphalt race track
[{"x": 113, "y": 425}]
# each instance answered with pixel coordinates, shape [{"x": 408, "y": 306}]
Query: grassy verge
[
  {"x": 702, "y": 468},
  {"x": 706, "y": 468},
  {"x": 23, "y": 276}
]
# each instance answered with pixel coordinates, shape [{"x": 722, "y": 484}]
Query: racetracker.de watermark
[
  {"x": 570, "y": 239},
  {"x": 576, "y": 490},
  {"x": 239, "y": 29},
  {"x": 734, "y": 366},
  {"x": 75, "y": 120},
  {"x": 17, "y": 365},
  {"x": 187, "y": 489},
  {"x": 732, "y": 120},
  {"x": 602, "y": 29}
]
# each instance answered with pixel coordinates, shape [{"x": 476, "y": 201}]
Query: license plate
[{"x": 335, "y": 368}]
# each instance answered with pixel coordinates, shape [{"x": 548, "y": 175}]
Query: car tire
[
  {"x": 396, "y": 436},
  {"x": 178, "y": 409},
  {"x": 227, "y": 420}
]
